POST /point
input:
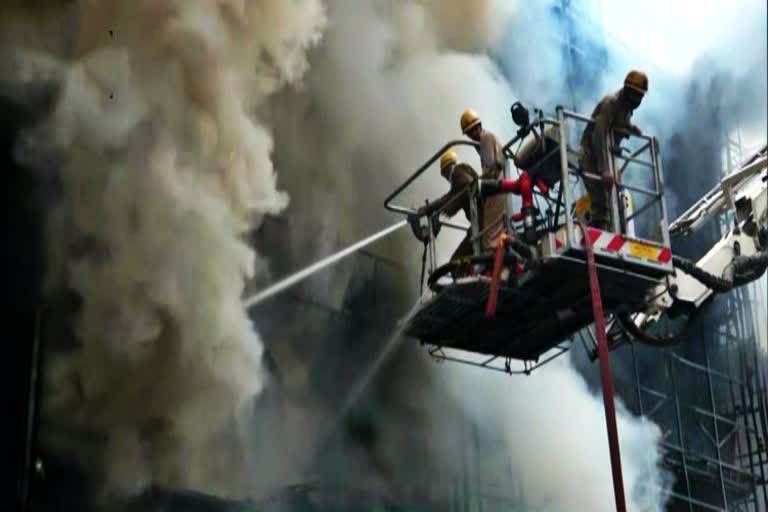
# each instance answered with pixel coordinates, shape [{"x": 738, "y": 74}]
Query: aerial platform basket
[
  {"x": 546, "y": 300},
  {"x": 541, "y": 307}
]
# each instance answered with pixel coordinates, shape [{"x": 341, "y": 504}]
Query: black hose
[
  {"x": 522, "y": 248},
  {"x": 711, "y": 281},
  {"x": 749, "y": 268},
  {"x": 447, "y": 268},
  {"x": 656, "y": 341},
  {"x": 745, "y": 269},
  {"x": 423, "y": 268}
]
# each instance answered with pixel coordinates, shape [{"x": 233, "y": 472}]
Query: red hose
[
  {"x": 605, "y": 373},
  {"x": 493, "y": 293}
]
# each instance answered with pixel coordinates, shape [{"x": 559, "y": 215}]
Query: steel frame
[
  {"x": 646, "y": 155},
  {"x": 727, "y": 443},
  {"x": 497, "y": 363},
  {"x": 733, "y": 421}
]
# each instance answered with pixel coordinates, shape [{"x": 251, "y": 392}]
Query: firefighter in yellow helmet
[
  {"x": 493, "y": 162},
  {"x": 612, "y": 114},
  {"x": 460, "y": 176},
  {"x": 491, "y": 157}
]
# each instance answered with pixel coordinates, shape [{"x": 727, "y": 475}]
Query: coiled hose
[
  {"x": 743, "y": 270},
  {"x": 486, "y": 259},
  {"x": 654, "y": 340}
]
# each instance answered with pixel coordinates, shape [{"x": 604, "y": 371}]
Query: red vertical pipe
[
  {"x": 493, "y": 293},
  {"x": 605, "y": 374}
]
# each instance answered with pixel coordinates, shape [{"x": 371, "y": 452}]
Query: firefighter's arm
[
  {"x": 453, "y": 206},
  {"x": 499, "y": 161},
  {"x": 491, "y": 147},
  {"x": 449, "y": 203},
  {"x": 625, "y": 131},
  {"x": 603, "y": 121},
  {"x": 435, "y": 205},
  {"x": 460, "y": 185}
]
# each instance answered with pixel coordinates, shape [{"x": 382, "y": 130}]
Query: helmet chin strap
[{"x": 450, "y": 172}]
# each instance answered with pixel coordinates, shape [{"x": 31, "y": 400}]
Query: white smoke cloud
[
  {"x": 163, "y": 179},
  {"x": 555, "y": 435},
  {"x": 167, "y": 168},
  {"x": 404, "y": 89}
]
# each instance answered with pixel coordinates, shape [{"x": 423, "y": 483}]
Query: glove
[
  {"x": 607, "y": 179},
  {"x": 635, "y": 130},
  {"x": 416, "y": 228}
]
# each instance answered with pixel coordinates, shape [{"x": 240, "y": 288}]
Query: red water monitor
[{"x": 523, "y": 187}]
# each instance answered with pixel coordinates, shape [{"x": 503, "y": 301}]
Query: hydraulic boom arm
[{"x": 741, "y": 255}]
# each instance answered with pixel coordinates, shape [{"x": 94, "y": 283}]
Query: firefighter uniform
[
  {"x": 614, "y": 112},
  {"x": 461, "y": 177},
  {"x": 492, "y": 162},
  {"x": 494, "y": 207}
]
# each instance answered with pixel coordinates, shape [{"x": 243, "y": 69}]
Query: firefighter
[
  {"x": 612, "y": 114},
  {"x": 493, "y": 163},
  {"x": 461, "y": 176},
  {"x": 491, "y": 156}
]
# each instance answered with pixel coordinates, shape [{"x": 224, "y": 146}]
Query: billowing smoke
[
  {"x": 404, "y": 87},
  {"x": 166, "y": 167},
  {"x": 552, "y": 416},
  {"x": 166, "y": 125}
]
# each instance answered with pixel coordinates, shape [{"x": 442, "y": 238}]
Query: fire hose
[
  {"x": 510, "y": 258},
  {"x": 498, "y": 260},
  {"x": 605, "y": 373}
]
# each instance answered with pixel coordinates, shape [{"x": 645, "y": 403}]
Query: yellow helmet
[
  {"x": 469, "y": 119},
  {"x": 448, "y": 158},
  {"x": 637, "y": 80}
]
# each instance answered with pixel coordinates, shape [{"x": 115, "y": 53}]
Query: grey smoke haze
[
  {"x": 164, "y": 183},
  {"x": 401, "y": 100},
  {"x": 166, "y": 169},
  {"x": 534, "y": 70}
]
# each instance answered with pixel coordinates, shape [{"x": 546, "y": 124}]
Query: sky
[
  {"x": 687, "y": 29},
  {"x": 675, "y": 41}
]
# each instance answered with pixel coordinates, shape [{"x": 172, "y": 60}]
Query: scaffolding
[
  {"x": 708, "y": 395},
  {"x": 710, "y": 404}
]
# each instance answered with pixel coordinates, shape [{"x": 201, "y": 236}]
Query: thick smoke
[
  {"x": 715, "y": 91},
  {"x": 553, "y": 429},
  {"x": 404, "y": 88},
  {"x": 166, "y": 167},
  {"x": 166, "y": 123}
]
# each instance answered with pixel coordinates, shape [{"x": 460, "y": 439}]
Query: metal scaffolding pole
[
  {"x": 680, "y": 435},
  {"x": 714, "y": 422}
]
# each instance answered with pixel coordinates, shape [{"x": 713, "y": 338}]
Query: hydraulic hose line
[
  {"x": 661, "y": 340},
  {"x": 744, "y": 269},
  {"x": 304, "y": 273},
  {"x": 605, "y": 373},
  {"x": 521, "y": 247}
]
